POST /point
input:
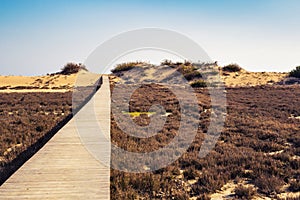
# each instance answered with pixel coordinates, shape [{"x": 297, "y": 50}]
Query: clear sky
[{"x": 40, "y": 36}]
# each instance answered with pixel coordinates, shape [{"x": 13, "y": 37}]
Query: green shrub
[
  {"x": 232, "y": 68},
  {"x": 199, "y": 84},
  {"x": 243, "y": 192},
  {"x": 72, "y": 68},
  {"x": 295, "y": 72}
]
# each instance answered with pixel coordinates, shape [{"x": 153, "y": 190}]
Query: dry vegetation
[
  {"x": 30, "y": 119},
  {"x": 231, "y": 68},
  {"x": 295, "y": 72},
  {"x": 26, "y": 119},
  {"x": 72, "y": 68},
  {"x": 259, "y": 143}
]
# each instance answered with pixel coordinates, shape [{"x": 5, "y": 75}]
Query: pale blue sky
[{"x": 38, "y": 37}]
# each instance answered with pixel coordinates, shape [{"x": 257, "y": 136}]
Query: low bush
[
  {"x": 203, "y": 197},
  {"x": 199, "y": 84},
  {"x": 125, "y": 66},
  {"x": 181, "y": 197},
  {"x": 243, "y": 192},
  {"x": 72, "y": 68},
  {"x": 232, "y": 68},
  {"x": 268, "y": 184},
  {"x": 190, "y": 174},
  {"x": 166, "y": 62},
  {"x": 295, "y": 72},
  {"x": 255, "y": 117},
  {"x": 295, "y": 186},
  {"x": 192, "y": 75}
]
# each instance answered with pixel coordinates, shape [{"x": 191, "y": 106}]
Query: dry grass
[
  {"x": 258, "y": 123},
  {"x": 26, "y": 118}
]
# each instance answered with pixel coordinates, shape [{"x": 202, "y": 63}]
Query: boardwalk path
[{"x": 63, "y": 168}]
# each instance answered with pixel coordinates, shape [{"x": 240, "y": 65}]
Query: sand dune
[
  {"x": 245, "y": 78},
  {"x": 48, "y": 83},
  {"x": 65, "y": 83}
]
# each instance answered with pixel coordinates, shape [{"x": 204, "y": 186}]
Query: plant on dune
[
  {"x": 243, "y": 192},
  {"x": 166, "y": 62},
  {"x": 72, "y": 68},
  {"x": 126, "y": 66},
  {"x": 295, "y": 72},
  {"x": 199, "y": 84},
  {"x": 232, "y": 68}
]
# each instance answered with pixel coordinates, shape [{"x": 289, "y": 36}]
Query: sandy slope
[
  {"x": 245, "y": 78},
  {"x": 64, "y": 83},
  {"x": 49, "y": 83}
]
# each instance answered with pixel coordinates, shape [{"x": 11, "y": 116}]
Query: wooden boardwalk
[{"x": 64, "y": 168}]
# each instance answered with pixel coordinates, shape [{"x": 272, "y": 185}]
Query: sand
[
  {"x": 65, "y": 83},
  {"x": 47, "y": 83},
  {"x": 245, "y": 78}
]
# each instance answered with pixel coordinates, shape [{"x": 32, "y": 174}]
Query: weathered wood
[{"x": 64, "y": 168}]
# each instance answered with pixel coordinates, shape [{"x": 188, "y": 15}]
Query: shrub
[
  {"x": 192, "y": 75},
  {"x": 187, "y": 63},
  {"x": 232, "y": 68},
  {"x": 39, "y": 128},
  {"x": 125, "y": 66},
  {"x": 203, "y": 197},
  {"x": 268, "y": 184},
  {"x": 295, "y": 72},
  {"x": 176, "y": 171},
  {"x": 72, "y": 68},
  {"x": 199, "y": 84},
  {"x": 295, "y": 186},
  {"x": 296, "y": 197},
  {"x": 166, "y": 62},
  {"x": 190, "y": 174},
  {"x": 182, "y": 196},
  {"x": 243, "y": 192}
]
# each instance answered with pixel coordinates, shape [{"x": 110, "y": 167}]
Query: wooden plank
[{"x": 64, "y": 168}]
